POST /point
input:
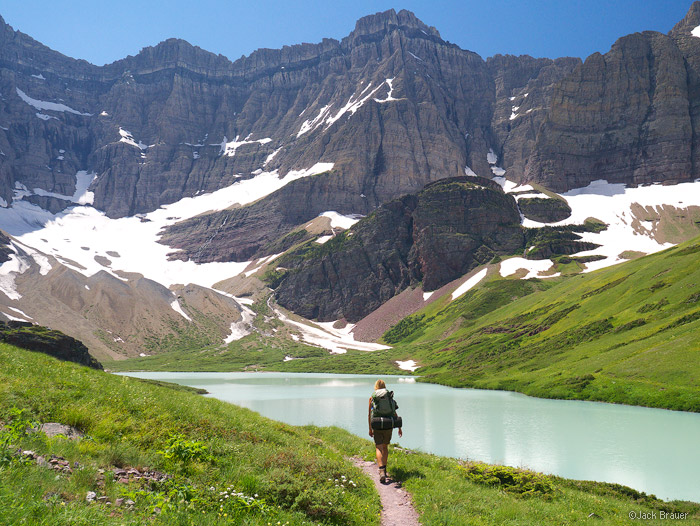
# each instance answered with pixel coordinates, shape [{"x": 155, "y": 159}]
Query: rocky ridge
[{"x": 432, "y": 237}]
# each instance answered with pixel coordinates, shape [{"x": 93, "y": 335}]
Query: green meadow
[{"x": 227, "y": 465}]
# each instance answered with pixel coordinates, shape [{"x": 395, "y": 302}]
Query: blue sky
[{"x": 104, "y": 31}]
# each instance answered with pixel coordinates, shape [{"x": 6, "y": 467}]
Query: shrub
[
  {"x": 180, "y": 449},
  {"x": 520, "y": 482}
]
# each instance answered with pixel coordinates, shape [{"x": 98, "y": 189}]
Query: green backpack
[{"x": 383, "y": 403}]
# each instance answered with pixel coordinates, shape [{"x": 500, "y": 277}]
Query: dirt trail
[{"x": 397, "y": 508}]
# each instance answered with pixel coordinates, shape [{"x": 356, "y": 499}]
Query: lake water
[{"x": 650, "y": 450}]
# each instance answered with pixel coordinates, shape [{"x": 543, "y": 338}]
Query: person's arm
[
  {"x": 400, "y": 432},
  {"x": 369, "y": 418}
]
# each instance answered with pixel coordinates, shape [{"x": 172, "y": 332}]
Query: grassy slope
[
  {"x": 626, "y": 334},
  {"x": 128, "y": 421}
]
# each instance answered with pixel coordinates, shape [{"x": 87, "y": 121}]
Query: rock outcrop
[
  {"x": 433, "y": 237},
  {"x": 544, "y": 210},
  {"x": 47, "y": 341}
]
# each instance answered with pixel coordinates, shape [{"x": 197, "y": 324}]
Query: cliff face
[
  {"x": 433, "y": 237},
  {"x": 392, "y": 106}
]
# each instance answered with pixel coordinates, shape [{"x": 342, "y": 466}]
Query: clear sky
[{"x": 102, "y": 31}]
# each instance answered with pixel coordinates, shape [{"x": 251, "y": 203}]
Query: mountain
[{"x": 172, "y": 180}]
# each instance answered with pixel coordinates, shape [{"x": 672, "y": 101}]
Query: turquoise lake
[{"x": 650, "y": 450}]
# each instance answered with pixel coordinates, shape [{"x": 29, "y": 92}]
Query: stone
[
  {"x": 53, "y": 429},
  {"x": 91, "y": 496}
]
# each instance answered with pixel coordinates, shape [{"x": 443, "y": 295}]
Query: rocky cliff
[
  {"x": 393, "y": 106},
  {"x": 433, "y": 237}
]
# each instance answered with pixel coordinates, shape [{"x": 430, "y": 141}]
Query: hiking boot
[{"x": 382, "y": 474}]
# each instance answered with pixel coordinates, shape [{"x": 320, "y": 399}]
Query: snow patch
[
  {"x": 261, "y": 263},
  {"x": 416, "y": 57},
  {"x": 13, "y": 318},
  {"x": 9, "y": 269},
  {"x": 612, "y": 203},
  {"x": 696, "y": 31},
  {"x": 44, "y": 105},
  {"x": 271, "y": 156},
  {"x": 81, "y": 196},
  {"x": 176, "y": 307},
  {"x": 229, "y": 148},
  {"x": 531, "y": 195},
  {"x": 128, "y": 138},
  {"x": 312, "y": 124},
  {"x": 19, "y": 312},
  {"x": 468, "y": 171},
  {"x": 389, "y": 96},
  {"x": 510, "y": 187},
  {"x": 407, "y": 365},
  {"x": 241, "y": 328},
  {"x": 354, "y": 103},
  {"x": 323, "y": 239},
  {"x": 491, "y": 157},
  {"x": 341, "y": 221},
  {"x": 464, "y": 287},
  {"x": 534, "y": 267},
  {"x": 426, "y": 295},
  {"x": 337, "y": 341},
  {"x": 39, "y": 76},
  {"x": 498, "y": 171},
  {"x": 44, "y": 117}
]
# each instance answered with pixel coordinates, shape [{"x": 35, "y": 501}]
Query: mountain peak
[
  {"x": 387, "y": 20},
  {"x": 689, "y": 22}
]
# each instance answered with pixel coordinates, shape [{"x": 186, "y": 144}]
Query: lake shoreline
[{"x": 612, "y": 415}]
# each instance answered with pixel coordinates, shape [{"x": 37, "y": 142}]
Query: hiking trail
[{"x": 397, "y": 508}]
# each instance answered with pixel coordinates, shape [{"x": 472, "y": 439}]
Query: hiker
[{"x": 381, "y": 403}]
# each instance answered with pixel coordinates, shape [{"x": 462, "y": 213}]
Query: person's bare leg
[{"x": 382, "y": 456}]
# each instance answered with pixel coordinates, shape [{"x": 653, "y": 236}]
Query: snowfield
[
  {"x": 612, "y": 203},
  {"x": 81, "y": 233},
  {"x": 87, "y": 241}
]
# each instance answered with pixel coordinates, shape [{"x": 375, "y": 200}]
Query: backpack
[{"x": 383, "y": 403}]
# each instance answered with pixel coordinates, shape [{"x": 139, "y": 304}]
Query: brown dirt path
[{"x": 397, "y": 508}]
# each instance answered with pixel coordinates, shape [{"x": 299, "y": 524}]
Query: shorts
[{"x": 382, "y": 436}]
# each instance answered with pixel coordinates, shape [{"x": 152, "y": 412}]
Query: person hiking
[{"x": 381, "y": 403}]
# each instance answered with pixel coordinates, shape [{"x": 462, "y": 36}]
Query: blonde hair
[{"x": 379, "y": 384}]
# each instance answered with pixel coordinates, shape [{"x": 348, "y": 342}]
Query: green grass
[
  {"x": 131, "y": 423},
  {"x": 272, "y": 472},
  {"x": 627, "y": 334},
  {"x": 450, "y": 492}
]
